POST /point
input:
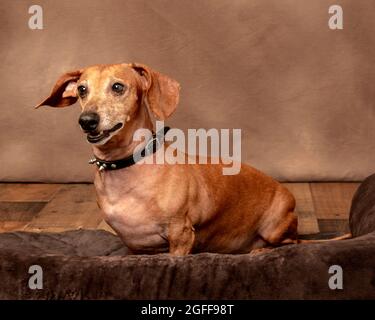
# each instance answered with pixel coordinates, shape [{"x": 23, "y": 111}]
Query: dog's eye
[
  {"x": 82, "y": 91},
  {"x": 118, "y": 88}
]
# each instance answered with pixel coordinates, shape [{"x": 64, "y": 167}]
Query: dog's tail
[
  {"x": 343, "y": 237},
  {"x": 298, "y": 241}
]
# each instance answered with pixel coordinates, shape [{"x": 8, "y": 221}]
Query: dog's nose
[{"x": 89, "y": 121}]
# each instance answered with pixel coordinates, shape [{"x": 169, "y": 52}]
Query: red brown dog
[{"x": 162, "y": 207}]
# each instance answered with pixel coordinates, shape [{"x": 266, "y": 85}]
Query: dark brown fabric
[
  {"x": 302, "y": 93},
  {"x": 293, "y": 272},
  {"x": 75, "y": 243},
  {"x": 362, "y": 212},
  {"x": 88, "y": 264}
]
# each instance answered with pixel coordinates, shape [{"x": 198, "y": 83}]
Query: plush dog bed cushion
[
  {"x": 87, "y": 264},
  {"x": 362, "y": 217}
]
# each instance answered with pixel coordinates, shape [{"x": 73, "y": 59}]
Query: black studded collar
[{"x": 151, "y": 147}]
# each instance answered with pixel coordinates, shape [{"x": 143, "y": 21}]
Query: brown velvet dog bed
[{"x": 88, "y": 264}]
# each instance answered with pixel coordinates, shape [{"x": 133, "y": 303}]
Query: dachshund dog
[{"x": 175, "y": 208}]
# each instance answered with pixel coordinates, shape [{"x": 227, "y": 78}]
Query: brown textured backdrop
[{"x": 302, "y": 93}]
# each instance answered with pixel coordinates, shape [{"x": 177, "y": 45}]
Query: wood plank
[
  {"x": 73, "y": 207},
  {"x": 334, "y": 225},
  {"x": 20, "y": 211},
  {"x": 307, "y": 221},
  {"x": 105, "y": 226},
  {"x": 15, "y": 215},
  {"x": 8, "y": 226},
  {"x": 27, "y": 192},
  {"x": 333, "y": 200}
]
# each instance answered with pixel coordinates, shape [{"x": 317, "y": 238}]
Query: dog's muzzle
[{"x": 95, "y": 137}]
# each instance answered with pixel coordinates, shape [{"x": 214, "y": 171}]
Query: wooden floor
[{"x": 323, "y": 208}]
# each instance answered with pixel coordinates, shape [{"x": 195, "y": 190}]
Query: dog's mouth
[{"x": 95, "y": 137}]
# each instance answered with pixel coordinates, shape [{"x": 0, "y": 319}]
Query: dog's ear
[
  {"x": 64, "y": 92},
  {"x": 162, "y": 92}
]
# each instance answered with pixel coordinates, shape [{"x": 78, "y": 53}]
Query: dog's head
[{"x": 110, "y": 96}]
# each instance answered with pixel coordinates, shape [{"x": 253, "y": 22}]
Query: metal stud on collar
[
  {"x": 151, "y": 146},
  {"x": 101, "y": 166}
]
